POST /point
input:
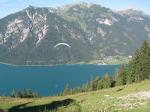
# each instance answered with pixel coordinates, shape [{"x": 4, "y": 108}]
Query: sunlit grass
[{"x": 106, "y": 100}]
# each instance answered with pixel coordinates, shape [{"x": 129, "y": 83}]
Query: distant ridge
[{"x": 92, "y": 31}]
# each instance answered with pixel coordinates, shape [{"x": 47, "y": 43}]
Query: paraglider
[{"x": 62, "y": 44}]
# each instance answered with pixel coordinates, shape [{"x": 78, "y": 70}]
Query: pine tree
[
  {"x": 107, "y": 81},
  {"x": 91, "y": 85},
  {"x": 100, "y": 84},
  {"x": 120, "y": 77},
  {"x": 13, "y": 94},
  {"x": 139, "y": 66},
  {"x": 67, "y": 90},
  {"x": 95, "y": 82},
  {"x": 75, "y": 90}
]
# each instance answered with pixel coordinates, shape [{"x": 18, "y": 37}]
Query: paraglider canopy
[{"x": 62, "y": 44}]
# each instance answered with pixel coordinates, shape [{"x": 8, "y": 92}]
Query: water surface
[{"x": 49, "y": 80}]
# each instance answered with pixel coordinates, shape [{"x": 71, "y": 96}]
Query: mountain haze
[{"x": 71, "y": 34}]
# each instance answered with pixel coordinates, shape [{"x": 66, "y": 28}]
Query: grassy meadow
[{"x": 128, "y": 98}]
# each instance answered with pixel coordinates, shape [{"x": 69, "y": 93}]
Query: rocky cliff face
[{"x": 70, "y": 34}]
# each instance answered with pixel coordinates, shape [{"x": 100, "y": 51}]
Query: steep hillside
[
  {"x": 129, "y": 98},
  {"x": 70, "y": 34}
]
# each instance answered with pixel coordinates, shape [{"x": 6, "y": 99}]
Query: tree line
[
  {"x": 24, "y": 94},
  {"x": 137, "y": 70}
]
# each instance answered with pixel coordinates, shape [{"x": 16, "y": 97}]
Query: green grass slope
[{"x": 128, "y": 98}]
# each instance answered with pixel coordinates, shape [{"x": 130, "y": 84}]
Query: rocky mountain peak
[
  {"x": 132, "y": 12},
  {"x": 81, "y": 32}
]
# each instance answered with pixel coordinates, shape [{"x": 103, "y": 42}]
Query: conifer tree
[
  {"x": 120, "y": 77},
  {"x": 67, "y": 90},
  {"x": 107, "y": 81},
  {"x": 139, "y": 66}
]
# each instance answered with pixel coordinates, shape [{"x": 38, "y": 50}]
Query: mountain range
[{"x": 71, "y": 34}]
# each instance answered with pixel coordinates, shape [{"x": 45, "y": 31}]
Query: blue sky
[{"x": 11, "y": 6}]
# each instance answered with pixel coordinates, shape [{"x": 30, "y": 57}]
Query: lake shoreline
[
  {"x": 50, "y": 80},
  {"x": 14, "y": 65}
]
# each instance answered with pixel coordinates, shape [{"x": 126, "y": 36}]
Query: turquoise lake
[{"x": 49, "y": 80}]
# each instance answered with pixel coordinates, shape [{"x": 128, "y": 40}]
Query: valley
[{"x": 75, "y": 57}]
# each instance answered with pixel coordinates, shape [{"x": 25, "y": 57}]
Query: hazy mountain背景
[{"x": 71, "y": 34}]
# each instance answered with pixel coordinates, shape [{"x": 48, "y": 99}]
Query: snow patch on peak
[
  {"x": 104, "y": 21},
  {"x": 133, "y": 18},
  {"x": 107, "y": 20}
]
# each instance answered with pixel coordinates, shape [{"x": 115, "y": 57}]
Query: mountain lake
[{"x": 49, "y": 80}]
